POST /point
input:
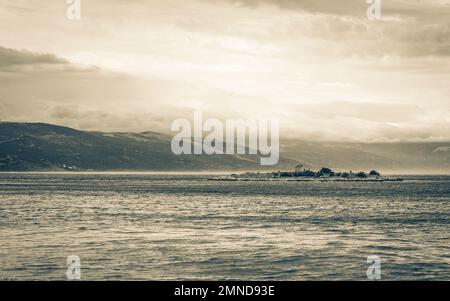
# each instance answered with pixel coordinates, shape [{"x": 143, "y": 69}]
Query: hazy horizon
[{"x": 286, "y": 138}]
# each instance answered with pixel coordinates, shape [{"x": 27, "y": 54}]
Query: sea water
[{"x": 185, "y": 227}]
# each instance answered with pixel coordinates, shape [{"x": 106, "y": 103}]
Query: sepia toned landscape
[{"x": 266, "y": 140}]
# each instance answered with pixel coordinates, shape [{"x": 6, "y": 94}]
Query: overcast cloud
[{"x": 322, "y": 67}]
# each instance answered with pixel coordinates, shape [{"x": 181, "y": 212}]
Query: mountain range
[{"x": 46, "y": 147}]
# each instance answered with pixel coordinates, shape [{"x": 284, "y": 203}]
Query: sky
[{"x": 322, "y": 68}]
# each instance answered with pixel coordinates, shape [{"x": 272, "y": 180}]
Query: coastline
[
  {"x": 301, "y": 174},
  {"x": 234, "y": 179}
]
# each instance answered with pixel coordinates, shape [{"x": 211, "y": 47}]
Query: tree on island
[
  {"x": 361, "y": 174},
  {"x": 374, "y": 173},
  {"x": 326, "y": 170},
  {"x": 308, "y": 173}
]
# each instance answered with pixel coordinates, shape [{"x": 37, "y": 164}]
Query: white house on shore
[{"x": 299, "y": 168}]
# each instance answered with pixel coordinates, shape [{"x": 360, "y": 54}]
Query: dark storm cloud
[
  {"x": 47, "y": 88},
  {"x": 11, "y": 57}
]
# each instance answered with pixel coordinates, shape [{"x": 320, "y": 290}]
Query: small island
[{"x": 300, "y": 173}]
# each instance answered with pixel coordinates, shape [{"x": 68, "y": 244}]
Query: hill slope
[
  {"x": 37, "y": 146},
  {"x": 45, "y": 147}
]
